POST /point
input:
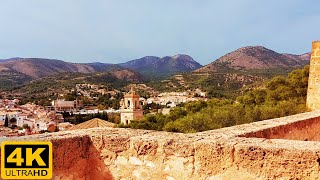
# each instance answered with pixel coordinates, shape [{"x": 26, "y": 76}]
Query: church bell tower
[{"x": 130, "y": 107}]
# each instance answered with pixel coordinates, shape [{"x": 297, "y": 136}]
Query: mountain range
[
  {"x": 163, "y": 66},
  {"x": 255, "y": 58},
  {"x": 40, "y": 67},
  {"x": 18, "y": 71},
  {"x": 225, "y": 76}
]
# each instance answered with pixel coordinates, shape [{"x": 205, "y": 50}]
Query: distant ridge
[
  {"x": 255, "y": 57},
  {"x": 19, "y": 71},
  {"x": 39, "y": 67},
  {"x": 163, "y": 66}
]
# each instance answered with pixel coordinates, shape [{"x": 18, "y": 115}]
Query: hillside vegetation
[
  {"x": 281, "y": 96},
  {"x": 50, "y": 87}
]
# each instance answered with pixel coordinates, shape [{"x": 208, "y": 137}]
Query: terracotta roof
[
  {"x": 64, "y": 125},
  {"x": 96, "y": 122}
]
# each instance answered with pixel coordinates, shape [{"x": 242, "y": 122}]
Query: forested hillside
[{"x": 281, "y": 96}]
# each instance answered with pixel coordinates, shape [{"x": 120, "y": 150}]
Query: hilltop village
[{"x": 18, "y": 119}]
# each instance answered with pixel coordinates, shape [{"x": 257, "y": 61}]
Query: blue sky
[{"x": 114, "y": 31}]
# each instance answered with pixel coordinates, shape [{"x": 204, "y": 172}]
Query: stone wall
[
  {"x": 313, "y": 97},
  {"x": 245, "y": 151},
  {"x": 291, "y": 128}
]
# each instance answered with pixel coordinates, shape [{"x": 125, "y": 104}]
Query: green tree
[
  {"x": 280, "y": 96},
  {"x": 195, "y": 106}
]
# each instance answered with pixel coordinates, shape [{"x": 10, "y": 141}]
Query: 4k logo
[{"x": 26, "y": 160}]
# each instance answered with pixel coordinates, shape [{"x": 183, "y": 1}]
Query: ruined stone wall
[
  {"x": 313, "y": 97},
  {"x": 244, "y": 151}
]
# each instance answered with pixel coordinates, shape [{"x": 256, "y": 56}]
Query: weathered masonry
[
  {"x": 313, "y": 98},
  {"x": 277, "y": 148}
]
